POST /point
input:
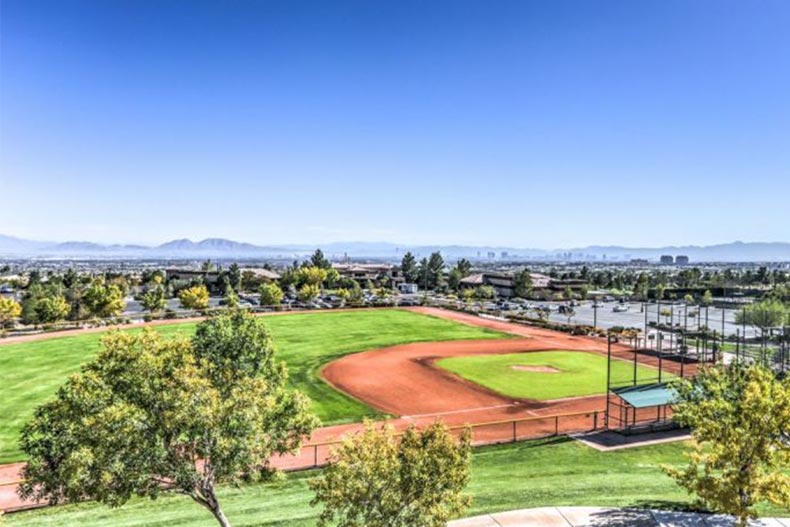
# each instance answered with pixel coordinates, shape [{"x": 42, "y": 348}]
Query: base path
[{"x": 403, "y": 381}]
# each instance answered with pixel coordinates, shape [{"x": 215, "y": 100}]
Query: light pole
[{"x": 595, "y": 313}]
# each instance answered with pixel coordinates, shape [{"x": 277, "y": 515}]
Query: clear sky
[{"x": 547, "y": 123}]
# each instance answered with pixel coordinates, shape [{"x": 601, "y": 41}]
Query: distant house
[
  {"x": 362, "y": 273},
  {"x": 267, "y": 275},
  {"x": 504, "y": 284},
  {"x": 408, "y": 289},
  {"x": 187, "y": 275}
]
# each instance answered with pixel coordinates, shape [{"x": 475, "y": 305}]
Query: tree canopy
[
  {"x": 271, "y": 294},
  {"x": 408, "y": 267},
  {"x": 740, "y": 419},
  {"x": 378, "y": 480},
  {"x": 150, "y": 413},
  {"x": 195, "y": 297}
]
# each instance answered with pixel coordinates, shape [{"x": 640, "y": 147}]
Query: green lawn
[
  {"x": 529, "y": 474},
  {"x": 577, "y": 373},
  {"x": 31, "y": 372}
]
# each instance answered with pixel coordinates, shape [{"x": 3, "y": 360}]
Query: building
[
  {"x": 187, "y": 275},
  {"x": 408, "y": 289},
  {"x": 667, "y": 259},
  {"x": 503, "y": 283},
  {"x": 681, "y": 259},
  {"x": 362, "y": 273},
  {"x": 267, "y": 275}
]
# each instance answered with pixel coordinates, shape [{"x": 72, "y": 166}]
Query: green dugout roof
[{"x": 646, "y": 395}]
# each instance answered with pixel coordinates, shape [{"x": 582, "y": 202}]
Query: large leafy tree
[
  {"x": 740, "y": 419},
  {"x": 311, "y": 275},
  {"x": 763, "y": 315},
  {"x": 104, "y": 300},
  {"x": 9, "y": 310},
  {"x": 523, "y": 284},
  {"x": 149, "y": 414},
  {"x": 378, "y": 480},
  {"x": 195, "y": 297},
  {"x": 271, "y": 295},
  {"x": 155, "y": 299},
  {"x": 308, "y": 292},
  {"x": 51, "y": 308}
]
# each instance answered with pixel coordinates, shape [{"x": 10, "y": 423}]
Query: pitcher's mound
[{"x": 536, "y": 369}]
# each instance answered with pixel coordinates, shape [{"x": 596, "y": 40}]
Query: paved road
[
  {"x": 599, "y": 517},
  {"x": 635, "y": 317}
]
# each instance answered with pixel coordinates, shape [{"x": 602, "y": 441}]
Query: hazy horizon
[
  {"x": 514, "y": 123},
  {"x": 399, "y": 244}
]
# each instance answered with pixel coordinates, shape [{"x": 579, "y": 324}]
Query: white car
[{"x": 620, "y": 308}]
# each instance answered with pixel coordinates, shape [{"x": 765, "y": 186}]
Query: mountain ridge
[{"x": 737, "y": 251}]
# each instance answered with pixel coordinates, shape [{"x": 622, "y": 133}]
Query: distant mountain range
[{"x": 221, "y": 248}]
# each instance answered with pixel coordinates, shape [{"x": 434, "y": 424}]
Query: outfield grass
[
  {"x": 577, "y": 373},
  {"x": 31, "y": 372},
  {"x": 530, "y": 474}
]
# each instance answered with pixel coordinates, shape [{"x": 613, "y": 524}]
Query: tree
[
  {"x": 660, "y": 289},
  {"x": 51, "y": 308},
  {"x": 435, "y": 269},
  {"x": 740, "y": 419},
  {"x": 763, "y": 315},
  {"x": 376, "y": 480},
  {"x": 9, "y": 310},
  {"x": 567, "y": 294},
  {"x": 424, "y": 274},
  {"x": 308, "y": 293},
  {"x": 408, "y": 267},
  {"x": 103, "y": 300},
  {"x": 485, "y": 292},
  {"x": 150, "y": 413},
  {"x": 234, "y": 277},
  {"x": 688, "y": 299},
  {"x": 642, "y": 286},
  {"x": 319, "y": 260},
  {"x": 231, "y": 299},
  {"x": 523, "y": 285},
  {"x": 271, "y": 295},
  {"x": 155, "y": 299},
  {"x": 468, "y": 294},
  {"x": 464, "y": 267},
  {"x": 195, "y": 297},
  {"x": 454, "y": 278},
  {"x": 310, "y": 275},
  {"x": 707, "y": 298}
]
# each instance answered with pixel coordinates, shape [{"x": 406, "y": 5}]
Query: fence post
[
  {"x": 315, "y": 456},
  {"x": 556, "y": 425},
  {"x": 514, "y": 431}
]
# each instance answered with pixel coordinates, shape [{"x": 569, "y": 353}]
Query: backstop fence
[{"x": 314, "y": 455}]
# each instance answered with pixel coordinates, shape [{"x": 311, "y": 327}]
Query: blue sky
[{"x": 526, "y": 123}]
